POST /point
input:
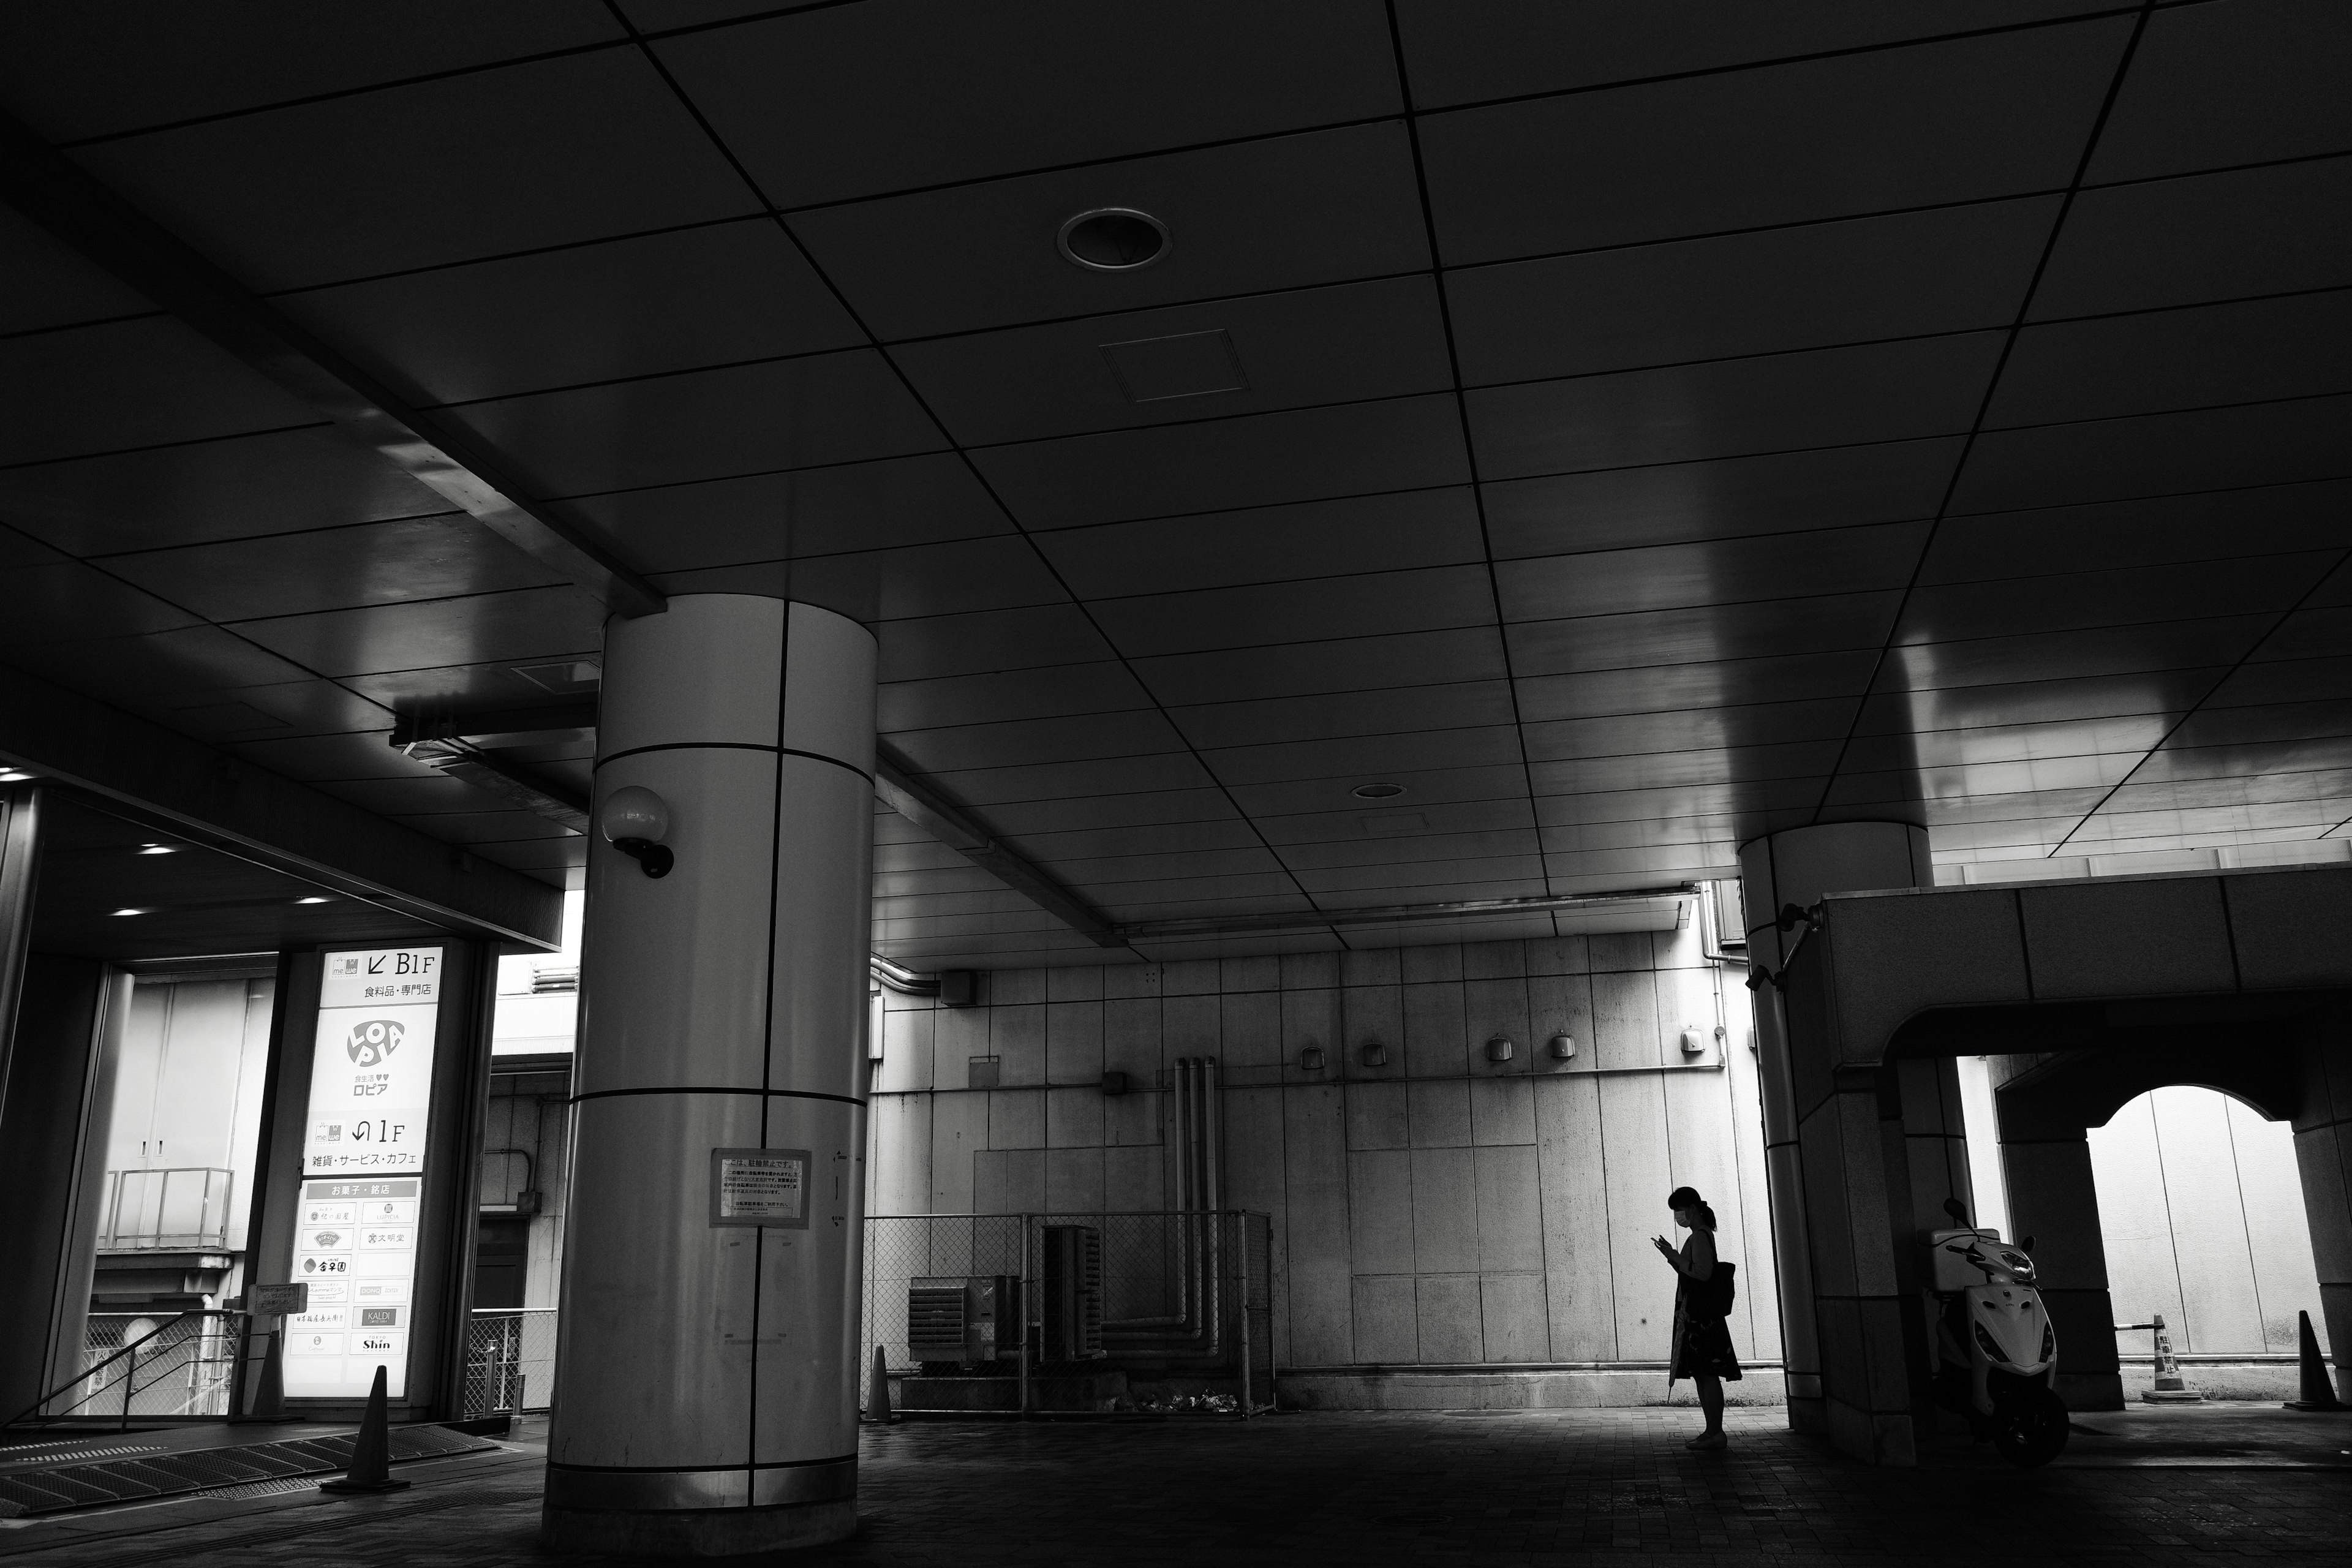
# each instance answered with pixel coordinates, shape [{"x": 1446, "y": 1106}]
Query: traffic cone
[
  {"x": 270, "y": 1399},
  {"x": 370, "y": 1468},
  {"x": 878, "y": 1402},
  {"x": 2318, "y": 1388}
]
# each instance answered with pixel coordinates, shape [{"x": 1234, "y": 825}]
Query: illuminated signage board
[{"x": 362, "y": 1172}]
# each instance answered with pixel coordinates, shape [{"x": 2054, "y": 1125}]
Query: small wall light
[
  {"x": 1498, "y": 1049},
  {"x": 1563, "y": 1046},
  {"x": 1311, "y": 1059},
  {"x": 1693, "y": 1042},
  {"x": 635, "y": 820},
  {"x": 1376, "y": 1055}
]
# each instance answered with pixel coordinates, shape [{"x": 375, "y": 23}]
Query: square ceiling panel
[
  {"x": 1340, "y": 344},
  {"x": 1968, "y": 120},
  {"x": 2247, "y": 82},
  {"x": 704, "y": 425},
  {"x": 839, "y": 102},
  {"x": 1269, "y": 544},
  {"x": 329, "y": 569},
  {"x": 1291, "y": 212},
  {"x": 511, "y": 627},
  {"x": 149, "y": 382},
  {"x": 460, "y": 168},
  {"x": 717, "y": 294}
]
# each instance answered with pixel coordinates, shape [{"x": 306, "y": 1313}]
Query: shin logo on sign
[{"x": 373, "y": 1040}]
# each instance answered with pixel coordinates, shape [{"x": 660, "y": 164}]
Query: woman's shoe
[{"x": 1708, "y": 1440}]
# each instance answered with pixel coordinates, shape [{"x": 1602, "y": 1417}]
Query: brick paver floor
[{"x": 1468, "y": 1489}]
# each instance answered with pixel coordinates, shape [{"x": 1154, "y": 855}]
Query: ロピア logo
[{"x": 373, "y": 1041}]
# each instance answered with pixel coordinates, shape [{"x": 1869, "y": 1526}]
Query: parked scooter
[{"x": 1996, "y": 1352}]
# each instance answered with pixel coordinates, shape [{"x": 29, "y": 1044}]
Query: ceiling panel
[
  {"x": 555, "y": 152},
  {"x": 1345, "y": 344},
  {"x": 2195, "y": 357},
  {"x": 1963, "y": 120},
  {"x": 2212, "y": 85},
  {"x": 841, "y": 102},
  {"x": 2156, "y": 454},
  {"x": 1357, "y": 757},
  {"x": 1720, "y": 498},
  {"x": 710, "y": 423},
  {"x": 1505, "y": 49},
  {"x": 1816, "y": 286},
  {"x": 1825, "y": 397},
  {"x": 255, "y": 712},
  {"x": 52, "y": 603},
  {"x": 2270, "y": 519},
  {"x": 275, "y": 483},
  {"x": 1406, "y": 443},
  {"x": 1725, "y": 570},
  {"x": 366, "y": 563},
  {"x": 884, "y": 503},
  {"x": 1201, "y": 802},
  {"x": 1424, "y": 787},
  {"x": 1957, "y": 610},
  {"x": 1439, "y": 819},
  {"x": 50, "y": 284},
  {"x": 1132, "y": 735},
  {"x": 82, "y": 71},
  {"x": 1147, "y": 774},
  {"x": 953, "y": 578},
  {"x": 988, "y": 641},
  {"x": 1912, "y": 712},
  {"x": 1101, "y": 688},
  {"x": 2275, "y": 230},
  {"x": 1701, "y": 685},
  {"x": 1270, "y": 545},
  {"x": 1295, "y": 612},
  {"x": 1622, "y": 640},
  {"x": 2046, "y": 655},
  {"x": 1692, "y": 728},
  {"x": 1325, "y": 207},
  {"x": 194, "y": 659},
  {"x": 719, "y": 294},
  {"x": 517, "y": 626},
  {"x": 1407, "y": 850},
  {"x": 118, "y": 386},
  {"x": 1340, "y": 664},
  {"x": 1394, "y": 709}
]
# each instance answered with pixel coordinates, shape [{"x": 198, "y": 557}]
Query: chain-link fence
[
  {"x": 1094, "y": 1311},
  {"x": 509, "y": 1360},
  {"x": 153, "y": 1364}
]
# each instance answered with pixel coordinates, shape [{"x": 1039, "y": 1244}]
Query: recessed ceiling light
[
  {"x": 1377, "y": 791},
  {"x": 134, "y": 911},
  {"x": 313, "y": 900},
  {"x": 159, "y": 849},
  {"x": 1114, "y": 240}
]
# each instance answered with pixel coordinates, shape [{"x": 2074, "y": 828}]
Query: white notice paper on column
[
  {"x": 760, "y": 1186},
  {"x": 364, "y": 1164}
]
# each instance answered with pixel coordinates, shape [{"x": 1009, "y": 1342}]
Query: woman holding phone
[{"x": 1703, "y": 1293}]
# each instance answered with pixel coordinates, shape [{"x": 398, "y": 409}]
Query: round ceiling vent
[
  {"x": 1377, "y": 791},
  {"x": 1114, "y": 240}
]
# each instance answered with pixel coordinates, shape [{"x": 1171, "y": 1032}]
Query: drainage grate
[
  {"x": 31, "y": 1489},
  {"x": 33, "y": 1457}
]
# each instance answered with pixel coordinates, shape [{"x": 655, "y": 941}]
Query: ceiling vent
[{"x": 1189, "y": 365}]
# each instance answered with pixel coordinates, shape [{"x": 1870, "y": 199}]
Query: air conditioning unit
[
  {"x": 965, "y": 1322},
  {"x": 1073, "y": 1304}
]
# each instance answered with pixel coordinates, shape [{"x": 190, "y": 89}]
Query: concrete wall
[
  {"x": 2201, "y": 1209},
  {"x": 1436, "y": 1211},
  {"x": 528, "y": 1116}
]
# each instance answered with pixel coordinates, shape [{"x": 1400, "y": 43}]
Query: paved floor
[{"x": 1465, "y": 1489}]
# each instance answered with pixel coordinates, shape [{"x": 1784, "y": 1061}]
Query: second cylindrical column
[{"x": 708, "y": 1331}]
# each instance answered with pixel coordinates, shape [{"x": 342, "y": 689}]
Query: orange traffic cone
[{"x": 370, "y": 1468}]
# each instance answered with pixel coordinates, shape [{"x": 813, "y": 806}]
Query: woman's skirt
[{"x": 1702, "y": 1344}]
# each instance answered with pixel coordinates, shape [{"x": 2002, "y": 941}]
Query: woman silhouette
[{"x": 1702, "y": 1300}]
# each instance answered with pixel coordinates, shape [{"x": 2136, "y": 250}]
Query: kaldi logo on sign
[{"x": 373, "y": 1041}]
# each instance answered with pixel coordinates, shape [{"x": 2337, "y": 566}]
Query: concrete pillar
[
  {"x": 2045, "y": 1154},
  {"x": 2323, "y": 1157},
  {"x": 1826, "y": 1165},
  {"x": 708, "y": 1373}
]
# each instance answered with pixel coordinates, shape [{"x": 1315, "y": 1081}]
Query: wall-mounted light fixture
[
  {"x": 1563, "y": 1046},
  {"x": 1693, "y": 1042},
  {"x": 635, "y": 820},
  {"x": 1498, "y": 1049},
  {"x": 1376, "y": 1055},
  {"x": 1310, "y": 1059}
]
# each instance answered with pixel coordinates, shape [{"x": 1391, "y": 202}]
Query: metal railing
[
  {"x": 1183, "y": 1298},
  {"x": 509, "y": 1360},
  {"x": 134, "y": 1365},
  {"x": 184, "y": 1209}
]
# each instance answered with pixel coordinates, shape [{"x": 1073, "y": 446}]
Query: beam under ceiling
[{"x": 55, "y": 193}]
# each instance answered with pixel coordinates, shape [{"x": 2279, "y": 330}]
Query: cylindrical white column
[
  {"x": 707, "y": 1366},
  {"x": 1798, "y": 866}
]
